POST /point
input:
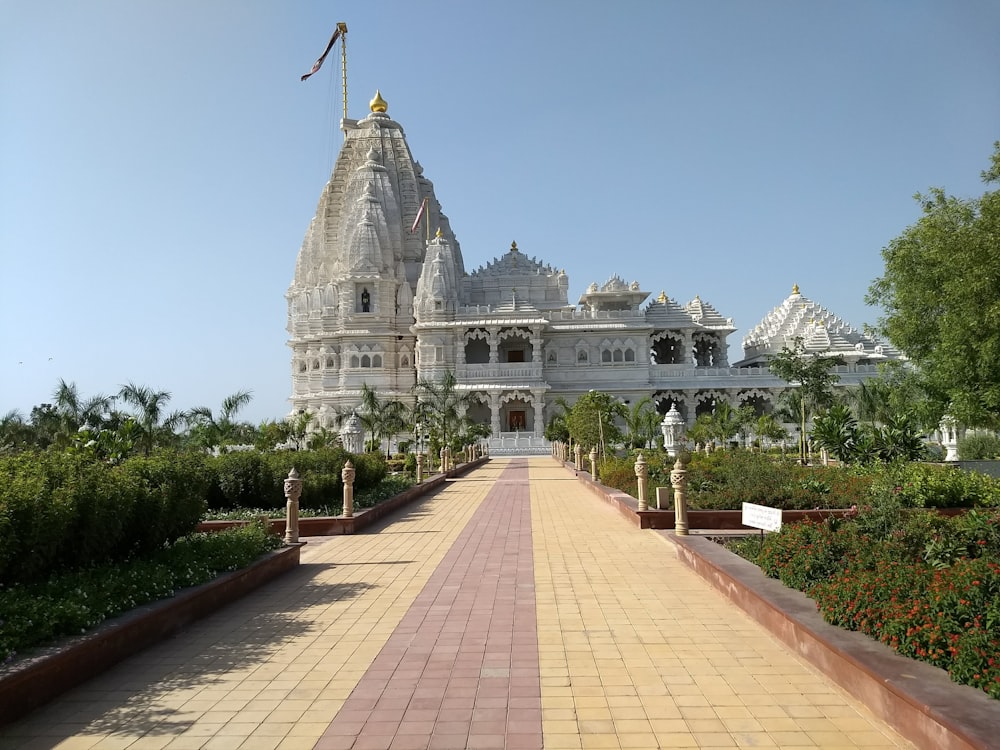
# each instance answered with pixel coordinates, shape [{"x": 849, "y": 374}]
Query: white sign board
[{"x": 761, "y": 517}]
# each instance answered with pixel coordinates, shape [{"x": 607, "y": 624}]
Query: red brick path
[{"x": 461, "y": 669}]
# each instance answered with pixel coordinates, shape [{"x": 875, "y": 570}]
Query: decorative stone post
[
  {"x": 420, "y": 468},
  {"x": 293, "y": 490},
  {"x": 347, "y": 474},
  {"x": 579, "y": 457},
  {"x": 672, "y": 428},
  {"x": 444, "y": 459},
  {"x": 641, "y": 475},
  {"x": 593, "y": 464},
  {"x": 678, "y": 480}
]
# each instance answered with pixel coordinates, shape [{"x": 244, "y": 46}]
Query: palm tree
[
  {"x": 642, "y": 422},
  {"x": 768, "y": 428},
  {"x": 210, "y": 432},
  {"x": 150, "y": 406},
  {"x": 557, "y": 429},
  {"x": 440, "y": 405},
  {"x": 382, "y": 417},
  {"x": 725, "y": 423},
  {"x": 836, "y": 431},
  {"x": 76, "y": 412},
  {"x": 15, "y": 433}
]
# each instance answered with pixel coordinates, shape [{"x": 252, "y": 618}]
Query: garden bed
[
  {"x": 30, "y": 682},
  {"x": 916, "y": 699}
]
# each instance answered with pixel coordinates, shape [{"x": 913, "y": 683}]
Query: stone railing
[
  {"x": 518, "y": 442},
  {"x": 514, "y": 371}
]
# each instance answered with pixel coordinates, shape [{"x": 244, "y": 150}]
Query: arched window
[
  {"x": 315, "y": 364},
  {"x": 366, "y": 361},
  {"x": 606, "y": 355},
  {"x": 377, "y": 360},
  {"x": 404, "y": 361},
  {"x": 355, "y": 362},
  {"x": 581, "y": 356},
  {"x": 630, "y": 355},
  {"x": 302, "y": 367},
  {"x": 329, "y": 362},
  {"x": 618, "y": 355}
]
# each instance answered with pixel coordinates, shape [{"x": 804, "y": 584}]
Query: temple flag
[
  {"x": 319, "y": 63},
  {"x": 420, "y": 215}
]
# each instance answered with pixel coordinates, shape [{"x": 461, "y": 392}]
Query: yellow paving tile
[
  {"x": 678, "y": 665},
  {"x": 267, "y": 662}
]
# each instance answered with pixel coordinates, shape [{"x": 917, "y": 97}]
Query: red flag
[
  {"x": 319, "y": 63},
  {"x": 420, "y": 215}
]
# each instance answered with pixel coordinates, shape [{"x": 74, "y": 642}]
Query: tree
[
  {"x": 15, "y": 433},
  {"x": 591, "y": 421},
  {"x": 556, "y": 429},
  {"x": 642, "y": 423},
  {"x": 836, "y": 431},
  {"x": 941, "y": 295},
  {"x": 813, "y": 375},
  {"x": 155, "y": 426},
  {"x": 768, "y": 429},
  {"x": 76, "y": 412},
  {"x": 439, "y": 406},
  {"x": 383, "y": 418},
  {"x": 210, "y": 433}
]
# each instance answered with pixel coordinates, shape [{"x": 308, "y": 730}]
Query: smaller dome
[{"x": 378, "y": 104}]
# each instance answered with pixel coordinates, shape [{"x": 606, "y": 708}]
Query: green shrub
[
  {"x": 920, "y": 485},
  {"x": 804, "y": 553},
  {"x": 979, "y": 446},
  {"x": 246, "y": 479},
  {"x": 928, "y": 586},
  {"x": 369, "y": 470},
  {"x": 74, "y": 602},
  {"x": 724, "y": 480},
  {"x": 61, "y": 509}
]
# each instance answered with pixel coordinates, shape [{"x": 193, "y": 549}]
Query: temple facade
[{"x": 378, "y": 300}]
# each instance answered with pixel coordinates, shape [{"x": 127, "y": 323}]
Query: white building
[{"x": 374, "y": 302}]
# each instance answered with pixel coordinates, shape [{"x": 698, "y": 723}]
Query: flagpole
[{"x": 343, "y": 64}]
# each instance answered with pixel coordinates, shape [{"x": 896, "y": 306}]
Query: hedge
[{"x": 63, "y": 510}]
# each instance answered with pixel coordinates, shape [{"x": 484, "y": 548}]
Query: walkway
[{"x": 511, "y": 609}]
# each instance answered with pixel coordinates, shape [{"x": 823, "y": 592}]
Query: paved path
[{"x": 512, "y": 609}]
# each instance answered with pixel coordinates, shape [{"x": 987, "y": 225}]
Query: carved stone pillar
[
  {"x": 460, "y": 349},
  {"x": 723, "y": 358},
  {"x": 347, "y": 475},
  {"x": 641, "y": 476},
  {"x": 689, "y": 358},
  {"x": 493, "y": 339},
  {"x": 420, "y": 468},
  {"x": 593, "y": 464},
  {"x": 536, "y": 346},
  {"x": 538, "y": 405},
  {"x": 579, "y": 457},
  {"x": 293, "y": 490},
  {"x": 678, "y": 480},
  {"x": 495, "y": 413}
]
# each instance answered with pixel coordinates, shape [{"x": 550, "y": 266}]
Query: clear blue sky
[{"x": 160, "y": 161}]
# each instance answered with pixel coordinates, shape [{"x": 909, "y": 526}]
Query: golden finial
[
  {"x": 438, "y": 233},
  {"x": 513, "y": 247},
  {"x": 795, "y": 288},
  {"x": 663, "y": 297},
  {"x": 378, "y": 104}
]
